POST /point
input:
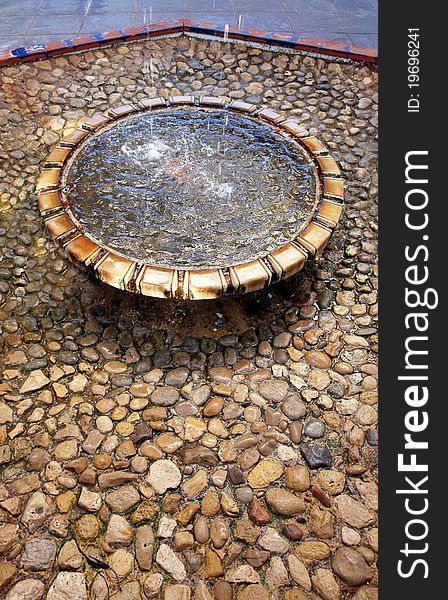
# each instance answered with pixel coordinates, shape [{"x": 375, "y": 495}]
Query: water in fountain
[
  {"x": 175, "y": 200},
  {"x": 226, "y": 122}
]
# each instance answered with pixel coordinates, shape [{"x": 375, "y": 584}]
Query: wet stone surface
[{"x": 153, "y": 449}]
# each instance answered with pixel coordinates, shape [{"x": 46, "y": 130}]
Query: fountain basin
[{"x": 191, "y": 198}]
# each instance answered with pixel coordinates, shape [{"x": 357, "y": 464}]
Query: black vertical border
[{"x": 401, "y": 132}]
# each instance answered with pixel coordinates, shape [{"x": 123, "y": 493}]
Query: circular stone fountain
[{"x": 190, "y": 198}]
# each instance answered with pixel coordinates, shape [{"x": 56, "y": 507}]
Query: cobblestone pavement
[
  {"x": 152, "y": 449},
  {"x": 37, "y": 21}
]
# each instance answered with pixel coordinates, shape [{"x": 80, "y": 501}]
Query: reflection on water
[{"x": 192, "y": 188}]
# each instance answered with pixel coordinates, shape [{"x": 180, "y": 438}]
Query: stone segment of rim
[{"x": 130, "y": 274}]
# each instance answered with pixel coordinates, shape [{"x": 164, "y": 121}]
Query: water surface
[{"x": 192, "y": 188}]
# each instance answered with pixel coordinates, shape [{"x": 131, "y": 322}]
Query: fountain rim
[{"x": 130, "y": 274}]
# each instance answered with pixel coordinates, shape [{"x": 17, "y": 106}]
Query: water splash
[
  {"x": 226, "y": 49},
  {"x": 145, "y": 15},
  {"x": 226, "y": 122},
  {"x": 222, "y": 190},
  {"x": 146, "y": 23},
  {"x": 87, "y": 7},
  {"x": 151, "y": 69},
  {"x": 151, "y": 152}
]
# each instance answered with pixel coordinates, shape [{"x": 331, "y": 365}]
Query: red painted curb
[{"x": 270, "y": 38}]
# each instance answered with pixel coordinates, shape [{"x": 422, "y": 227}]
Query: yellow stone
[
  {"x": 138, "y": 403},
  {"x": 313, "y": 551},
  {"x": 217, "y": 427},
  {"x": 187, "y": 513},
  {"x": 105, "y": 406},
  {"x": 66, "y": 450},
  {"x": 213, "y": 407},
  {"x": 213, "y": 565},
  {"x": 294, "y": 354},
  {"x": 238, "y": 429},
  {"x": 194, "y": 429},
  {"x": 65, "y": 501},
  {"x": 210, "y": 504},
  {"x": 266, "y": 472},
  {"x": 169, "y": 442},
  {"x": 124, "y": 428},
  {"x": 87, "y": 527},
  {"x": 60, "y": 390},
  {"x": 194, "y": 486},
  {"x": 119, "y": 413}
]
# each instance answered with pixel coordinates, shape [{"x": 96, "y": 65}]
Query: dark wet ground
[{"x": 213, "y": 318}]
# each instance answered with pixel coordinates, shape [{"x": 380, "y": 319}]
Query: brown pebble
[
  {"x": 219, "y": 533},
  {"x": 171, "y": 502},
  {"x": 155, "y": 413},
  {"x": 246, "y": 440},
  {"x": 343, "y": 368},
  {"x": 295, "y": 432},
  {"x": 272, "y": 416},
  {"x": 222, "y": 591},
  {"x": 102, "y": 461},
  {"x": 150, "y": 450},
  {"x": 213, "y": 407},
  {"x": 236, "y": 475},
  {"x": 248, "y": 458},
  {"x": 355, "y": 469},
  {"x": 321, "y": 496},
  {"x": 103, "y": 513},
  {"x": 186, "y": 409},
  {"x": 88, "y": 477},
  {"x": 201, "y": 530},
  {"x": 318, "y": 359},
  {"x": 266, "y": 447},
  {"x": 258, "y": 514},
  {"x": 256, "y": 557},
  {"x": 292, "y": 531},
  {"x": 78, "y": 464}
]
